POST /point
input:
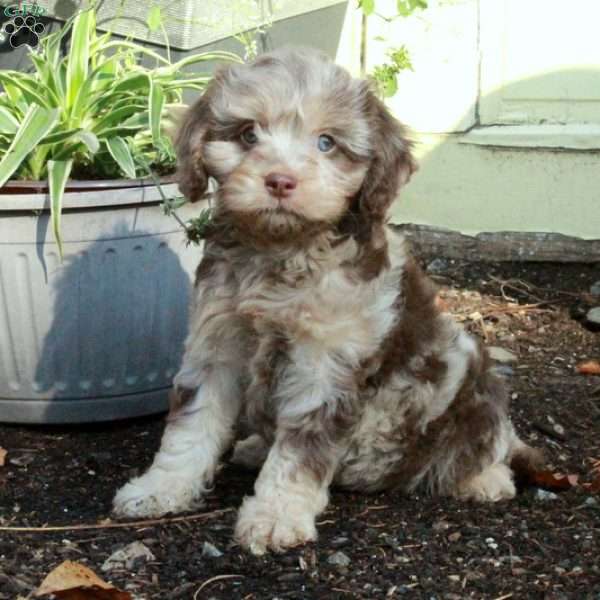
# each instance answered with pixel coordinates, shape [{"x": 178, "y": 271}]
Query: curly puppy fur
[{"x": 311, "y": 325}]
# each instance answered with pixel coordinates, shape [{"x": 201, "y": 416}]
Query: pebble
[
  {"x": 128, "y": 556},
  {"x": 501, "y": 355},
  {"x": 595, "y": 289},
  {"x": 210, "y": 551},
  {"x": 437, "y": 265},
  {"x": 440, "y": 525},
  {"x": 545, "y": 495},
  {"x": 591, "y": 501},
  {"x": 22, "y": 461},
  {"x": 505, "y": 370},
  {"x": 339, "y": 559},
  {"x": 454, "y": 537},
  {"x": 339, "y": 541},
  {"x": 593, "y": 315}
]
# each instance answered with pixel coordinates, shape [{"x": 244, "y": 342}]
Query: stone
[
  {"x": 339, "y": 541},
  {"x": 545, "y": 495},
  {"x": 595, "y": 289},
  {"x": 591, "y": 501},
  {"x": 593, "y": 315},
  {"x": 501, "y": 355},
  {"x": 437, "y": 265},
  {"x": 128, "y": 557},
  {"x": 440, "y": 526},
  {"x": 210, "y": 551},
  {"x": 339, "y": 559}
]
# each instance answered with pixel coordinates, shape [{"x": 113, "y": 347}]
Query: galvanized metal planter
[{"x": 99, "y": 335}]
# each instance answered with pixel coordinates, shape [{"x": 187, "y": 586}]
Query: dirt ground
[{"x": 539, "y": 545}]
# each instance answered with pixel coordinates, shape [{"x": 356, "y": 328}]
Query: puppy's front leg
[
  {"x": 195, "y": 437},
  {"x": 198, "y": 431},
  {"x": 291, "y": 490}
]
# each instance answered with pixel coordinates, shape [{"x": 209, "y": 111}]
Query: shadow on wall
[
  {"x": 531, "y": 164},
  {"x": 120, "y": 311}
]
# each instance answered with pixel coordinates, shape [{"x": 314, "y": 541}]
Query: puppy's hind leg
[
  {"x": 196, "y": 435},
  {"x": 250, "y": 452},
  {"x": 493, "y": 484}
]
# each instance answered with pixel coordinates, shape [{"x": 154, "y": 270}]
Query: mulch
[{"x": 544, "y": 546}]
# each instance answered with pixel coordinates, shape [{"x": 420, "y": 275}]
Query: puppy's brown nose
[{"x": 280, "y": 185}]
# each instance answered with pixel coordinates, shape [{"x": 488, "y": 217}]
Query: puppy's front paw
[
  {"x": 264, "y": 525},
  {"x": 154, "y": 494}
]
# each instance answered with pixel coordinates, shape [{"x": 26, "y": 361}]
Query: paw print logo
[{"x": 24, "y": 31}]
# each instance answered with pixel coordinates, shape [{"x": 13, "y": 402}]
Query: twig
[
  {"x": 212, "y": 580},
  {"x": 146, "y": 523},
  {"x": 504, "y": 597}
]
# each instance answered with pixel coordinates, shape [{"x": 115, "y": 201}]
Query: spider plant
[{"x": 94, "y": 113}]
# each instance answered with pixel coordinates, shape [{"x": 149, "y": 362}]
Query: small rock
[
  {"x": 491, "y": 543},
  {"x": 440, "y": 526},
  {"x": 593, "y": 315},
  {"x": 210, "y": 551},
  {"x": 127, "y": 557},
  {"x": 22, "y": 461},
  {"x": 591, "y": 501},
  {"x": 292, "y": 576},
  {"x": 437, "y": 265},
  {"x": 339, "y": 541},
  {"x": 339, "y": 559},
  {"x": 501, "y": 355},
  {"x": 545, "y": 495},
  {"x": 576, "y": 571},
  {"x": 454, "y": 537},
  {"x": 504, "y": 370},
  {"x": 595, "y": 289}
]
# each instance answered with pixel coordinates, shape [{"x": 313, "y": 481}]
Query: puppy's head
[{"x": 297, "y": 146}]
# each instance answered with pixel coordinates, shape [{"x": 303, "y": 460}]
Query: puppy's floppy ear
[
  {"x": 189, "y": 142},
  {"x": 391, "y": 166},
  {"x": 392, "y": 163}
]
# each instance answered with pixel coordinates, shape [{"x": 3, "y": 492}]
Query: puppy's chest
[{"x": 328, "y": 309}]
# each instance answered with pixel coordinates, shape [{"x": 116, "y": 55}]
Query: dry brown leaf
[
  {"x": 74, "y": 581},
  {"x": 590, "y": 367},
  {"x": 554, "y": 481},
  {"x": 3, "y": 454}
]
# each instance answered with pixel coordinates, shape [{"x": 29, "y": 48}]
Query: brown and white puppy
[{"x": 311, "y": 324}]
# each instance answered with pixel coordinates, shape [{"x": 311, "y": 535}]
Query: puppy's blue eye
[
  {"x": 326, "y": 143},
  {"x": 248, "y": 136}
]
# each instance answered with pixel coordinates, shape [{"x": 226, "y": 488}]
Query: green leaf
[
  {"x": 90, "y": 140},
  {"x": 390, "y": 86},
  {"x": 367, "y": 6},
  {"x": 59, "y": 136},
  {"x": 29, "y": 88},
  {"x": 8, "y": 122},
  {"x": 132, "y": 82},
  {"x": 79, "y": 53},
  {"x": 38, "y": 121},
  {"x": 403, "y": 8},
  {"x": 120, "y": 152},
  {"x": 154, "y": 19},
  {"x": 114, "y": 118},
  {"x": 155, "y": 106},
  {"x": 58, "y": 173}
]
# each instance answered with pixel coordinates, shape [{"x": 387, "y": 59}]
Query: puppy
[{"x": 311, "y": 327}]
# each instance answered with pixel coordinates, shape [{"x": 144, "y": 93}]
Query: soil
[{"x": 535, "y": 546}]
